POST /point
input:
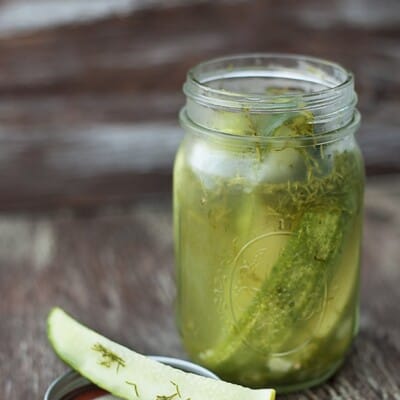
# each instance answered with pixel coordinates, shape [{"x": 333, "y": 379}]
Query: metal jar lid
[{"x": 71, "y": 384}]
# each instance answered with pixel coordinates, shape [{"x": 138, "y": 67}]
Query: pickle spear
[
  {"x": 291, "y": 292},
  {"x": 130, "y": 375}
]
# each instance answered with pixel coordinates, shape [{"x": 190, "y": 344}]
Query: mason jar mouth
[
  {"x": 312, "y": 80},
  {"x": 272, "y": 84}
]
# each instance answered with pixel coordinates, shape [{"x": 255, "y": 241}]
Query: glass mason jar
[{"x": 268, "y": 193}]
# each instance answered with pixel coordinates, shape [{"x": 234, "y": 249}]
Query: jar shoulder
[{"x": 258, "y": 164}]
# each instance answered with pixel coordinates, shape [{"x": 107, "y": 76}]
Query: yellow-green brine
[{"x": 268, "y": 193}]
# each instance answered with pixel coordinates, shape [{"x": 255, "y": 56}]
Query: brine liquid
[{"x": 228, "y": 237}]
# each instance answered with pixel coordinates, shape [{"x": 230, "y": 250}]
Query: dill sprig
[
  {"x": 172, "y": 396},
  {"x": 332, "y": 191},
  {"x": 108, "y": 358},
  {"x": 135, "y": 387}
]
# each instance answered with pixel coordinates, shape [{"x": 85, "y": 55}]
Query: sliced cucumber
[{"x": 130, "y": 375}]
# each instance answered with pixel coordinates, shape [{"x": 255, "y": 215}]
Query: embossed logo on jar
[{"x": 275, "y": 313}]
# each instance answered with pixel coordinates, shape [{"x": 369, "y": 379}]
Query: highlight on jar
[{"x": 268, "y": 199}]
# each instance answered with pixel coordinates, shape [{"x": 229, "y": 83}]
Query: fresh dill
[
  {"x": 134, "y": 387},
  {"x": 108, "y": 358},
  {"x": 172, "y": 396}
]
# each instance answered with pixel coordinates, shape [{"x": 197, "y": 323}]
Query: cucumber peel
[
  {"x": 291, "y": 292},
  {"x": 130, "y": 375}
]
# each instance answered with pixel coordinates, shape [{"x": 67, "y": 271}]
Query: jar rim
[
  {"x": 197, "y": 85},
  {"x": 258, "y": 84}
]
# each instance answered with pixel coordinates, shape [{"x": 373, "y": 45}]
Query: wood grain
[
  {"x": 114, "y": 271},
  {"x": 81, "y": 73}
]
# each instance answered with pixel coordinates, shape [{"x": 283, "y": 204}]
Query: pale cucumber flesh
[{"x": 130, "y": 375}]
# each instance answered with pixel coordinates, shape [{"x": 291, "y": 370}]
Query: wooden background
[
  {"x": 89, "y": 95},
  {"x": 89, "y": 92}
]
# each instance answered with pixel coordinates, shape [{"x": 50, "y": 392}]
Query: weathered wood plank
[
  {"x": 113, "y": 270},
  {"x": 82, "y": 168},
  {"x": 160, "y": 37},
  {"x": 67, "y": 86},
  {"x": 23, "y": 16},
  {"x": 62, "y": 83}
]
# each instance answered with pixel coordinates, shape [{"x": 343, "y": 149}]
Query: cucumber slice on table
[{"x": 130, "y": 375}]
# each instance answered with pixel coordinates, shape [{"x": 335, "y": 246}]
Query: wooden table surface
[
  {"x": 114, "y": 271},
  {"x": 89, "y": 96}
]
